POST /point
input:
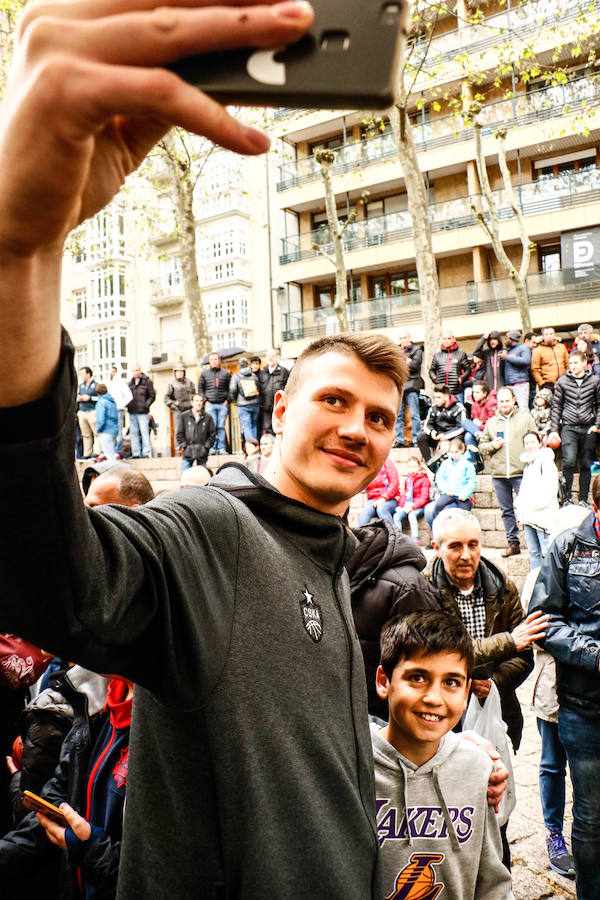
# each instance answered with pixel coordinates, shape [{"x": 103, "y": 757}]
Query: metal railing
[
  {"x": 547, "y": 194},
  {"x": 475, "y": 298},
  {"x": 524, "y": 109},
  {"x": 519, "y": 21}
]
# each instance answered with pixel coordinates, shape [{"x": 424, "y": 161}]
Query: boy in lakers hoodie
[{"x": 437, "y": 834}]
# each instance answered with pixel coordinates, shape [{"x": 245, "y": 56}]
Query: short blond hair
[{"x": 377, "y": 352}]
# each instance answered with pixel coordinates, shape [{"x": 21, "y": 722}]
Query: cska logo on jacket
[
  {"x": 417, "y": 880},
  {"x": 311, "y": 616},
  {"x": 120, "y": 770}
]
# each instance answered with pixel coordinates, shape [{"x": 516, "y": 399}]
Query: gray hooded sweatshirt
[
  {"x": 250, "y": 766},
  {"x": 434, "y": 824}
]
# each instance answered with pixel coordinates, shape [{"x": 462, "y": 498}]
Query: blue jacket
[
  {"x": 568, "y": 587},
  {"x": 107, "y": 416},
  {"x": 457, "y": 477},
  {"x": 516, "y": 364}
]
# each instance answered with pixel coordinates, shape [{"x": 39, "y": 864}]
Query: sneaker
[
  {"x": 560, "y": 860},
  {"x": 585, "y": 504}
]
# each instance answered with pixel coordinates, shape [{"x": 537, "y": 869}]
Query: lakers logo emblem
[
  {"x": 311, "y": 616},
  {"x": 417, "y": 880}
]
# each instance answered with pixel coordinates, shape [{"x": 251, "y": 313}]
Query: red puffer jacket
[
  {"x": 420, "y": 485},
  {"x": 385, "y": 485}
]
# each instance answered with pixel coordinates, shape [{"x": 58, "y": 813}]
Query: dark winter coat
[
  {"x": 28, "y": 859},
  {"x": 492, "y": 367},
  {"x": 503, "y": 612},
  {"x": 450, "y": 367},
  {"x": 414, "y": 358},
  {"x": 214, "y": 385},
  {"x": 143, "y": 395},
  {"x": 516, "y": 365},
  {"x": 236, "y": 394},
  {"x": 574, "y": 404},
  {"x": 270, "y": 383},
  {"x": 445, "y": 420},
  {"x": 196, "y": 438},
  {"x": 179, "y": 394},
  {"x": 568, "y": 588},
  {"x": 385, "y": 580}
]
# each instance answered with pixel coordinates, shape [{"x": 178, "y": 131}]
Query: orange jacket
[{"x": 549, "y": 363}]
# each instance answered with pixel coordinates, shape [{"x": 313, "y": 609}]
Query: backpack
[{"x": 248, "y": 387}]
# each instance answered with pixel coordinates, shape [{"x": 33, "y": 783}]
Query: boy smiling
[{"x": 434, "y": 826}]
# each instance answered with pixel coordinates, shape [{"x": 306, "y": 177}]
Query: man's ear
[
  {"x": 435, "y": 547},
  {"x": 279, "y": 412},
  {"x": 381, "y": 683}
]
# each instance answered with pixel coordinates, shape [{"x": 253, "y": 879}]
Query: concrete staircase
[{"x": 163, "y": 473}]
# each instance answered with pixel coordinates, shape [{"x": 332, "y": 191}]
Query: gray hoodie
[{"x": 452, "y": 840}]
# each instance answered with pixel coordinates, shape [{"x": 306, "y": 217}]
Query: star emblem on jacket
[
  {"x": 120, "y": 770},
  {"x": 311, "y": 616}
]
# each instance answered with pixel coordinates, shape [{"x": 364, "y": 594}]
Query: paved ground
[{"x": 533, "y": 879}]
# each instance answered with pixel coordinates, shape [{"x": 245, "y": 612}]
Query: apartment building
[
  {"x": 553, "y": 139},
  {"x": 122, "y": 297}
]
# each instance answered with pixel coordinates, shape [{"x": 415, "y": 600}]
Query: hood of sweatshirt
[
  {"x": 381, "y": 546},
  {"x": 324, "y": 537},
  {"x": 82, "y": 680},
  {"x": 421, "y": 785}
]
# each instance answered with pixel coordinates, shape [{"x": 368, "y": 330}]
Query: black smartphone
[{"x": 346, "y": 61}]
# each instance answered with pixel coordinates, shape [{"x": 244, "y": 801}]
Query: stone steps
[{"x": 163, "y": 473}]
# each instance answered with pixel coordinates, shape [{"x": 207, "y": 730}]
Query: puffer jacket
[
  {"x": 213, "y": 384},
  {"x": 574, "y": 404},
  {"x": 568, "y": 588},
  {"x": 107, "y": 416},
  {"x": 179, "y": 394},
  {"x": 446, "y": 420},
  {"x": 549, "y": 363},
  {"x": 44, "y": 725},
  {"x": 537, "y": 501},
  {"x": 450, "y": 367},
  {"x": 503, "y": 612},
  {"x": 236, "y": 394},
  {"x": 385, "y": 580},
  {"x": 457, "y": 477},
  {"x": 421, "y": 486},
  {"x": 414, "y": 358},
  {"x": 385, "y": 484},
  {"x": 492, "y": 365},
  {"x": 506, "y": 462}
]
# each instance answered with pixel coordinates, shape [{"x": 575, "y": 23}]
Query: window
[
  {"x": 107, "y": 293},
  {"x": 80, "y": 303},
  {"x": 228, "y": 311},
  {"x": 549, "y": 258},
  {"x": 108, "y": 345},
  {"x": 324, "y": 294},
  {"x": 222, "y": 339},
  {"x": 170, "y": 274},
  {"x": 105, "y": 234},
  {"x": 394, "y": 284}
]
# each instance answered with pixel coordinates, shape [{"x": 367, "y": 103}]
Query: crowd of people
[
  {"x": 228, "y": 752},
  {"x": 199, "y": 411},
  {"x": 513, "y": 402}
]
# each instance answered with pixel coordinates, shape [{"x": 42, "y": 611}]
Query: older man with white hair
[{"x": 474, "y": 590}]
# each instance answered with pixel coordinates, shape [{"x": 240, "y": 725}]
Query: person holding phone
[{"x": 502, "y": 440}]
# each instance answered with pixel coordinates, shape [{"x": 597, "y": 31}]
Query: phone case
[
  {"x": 38, "y": 804},
  {"x": 346, "y": 61}
]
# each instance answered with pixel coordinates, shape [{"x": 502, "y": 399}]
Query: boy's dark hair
[
  {"x": 424, "y": 632},
  {"x": 441, "y": 389},
  {"x": 483, "y": 386},
  {"x": 255, "y": 359}
]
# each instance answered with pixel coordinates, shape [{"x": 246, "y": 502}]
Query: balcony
[
  {"x": 547, "y": 194},
  {"x": 164, "y": 295},
  {"x": 545, "y": 288},
  {"x": 516, "y": 22},
  {"x": 525, "y": 109},
  {"x": 166, "y": 353}
]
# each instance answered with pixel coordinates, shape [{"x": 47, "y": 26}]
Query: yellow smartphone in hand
[{"x": 38, "y": 804}]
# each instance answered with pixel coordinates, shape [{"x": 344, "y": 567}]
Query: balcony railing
[
  {"x": 167, "y": 351},
  {"x": 519, "y": 21},
  {"x": 524, "y": 109},
  {"x": 547, "y": 194},
  {"x": 544, "y": 288}
]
